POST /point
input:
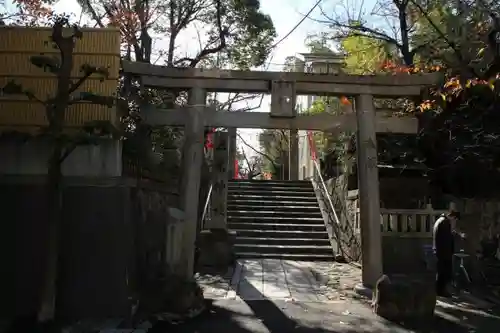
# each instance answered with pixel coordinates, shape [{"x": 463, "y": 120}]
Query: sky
[{"x": 285, "y": 15}]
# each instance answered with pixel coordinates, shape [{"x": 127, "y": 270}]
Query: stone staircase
[{"x": 277, "y": 219}]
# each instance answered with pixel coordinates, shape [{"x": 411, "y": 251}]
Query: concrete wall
[
  {"x": 30, "y": 158},
  {"x": 100, "y": 249},
  {"x": 306, "y": 165}
]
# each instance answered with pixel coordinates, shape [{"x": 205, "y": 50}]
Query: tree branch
[
  {"x": 451, "y": 44},
  {"x": 269, "y": 158},
  {"x": 223, "y": 33}
]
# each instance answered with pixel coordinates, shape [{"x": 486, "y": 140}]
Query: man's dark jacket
[{"x": 443, "y": 238}]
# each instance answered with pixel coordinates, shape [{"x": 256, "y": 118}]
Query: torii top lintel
[{"x": 261, "y": 82}]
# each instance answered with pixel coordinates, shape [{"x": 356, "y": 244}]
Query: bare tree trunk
[
  {"x": 54, "y": 195},
  {"x": 56, "y": 113}
]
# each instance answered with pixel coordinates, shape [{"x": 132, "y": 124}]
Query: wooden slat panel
[
  {"x": 99, "y": 47},
  {"x": 35, "y": 39}
]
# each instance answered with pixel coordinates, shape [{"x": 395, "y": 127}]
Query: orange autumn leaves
[
  {"x": 390, "y": 67},
  {"x": 452, "y": 87},
  {"x": 345, "y": 101},
  {"x": 393, "y": 68},
  {"x": 30, "y": 12}
]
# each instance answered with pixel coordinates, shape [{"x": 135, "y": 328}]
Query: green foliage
[
  {"x": 318, "y": 44},
  {"x": 364, "y": 55},
  {"x": 328, "y": 143},
  {"x": 251, "y": 36},
  {"x": 459, "y": 130},
  {"x": 274, "y": 144},
  {"x": 50, "y": 64},
  {"x": 232, "y": 34}
]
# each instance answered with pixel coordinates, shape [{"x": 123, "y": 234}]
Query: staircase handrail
[
  {"x": 327, "y": 195},
  {"x": 324, "y": 190},
  {"x": 208, "y": 153},
  {"x": 206, "y": 207},
  {"x": 344, "y": 232}
]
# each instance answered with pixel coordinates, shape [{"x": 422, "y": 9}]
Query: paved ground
[
  {"x": 283, "y": 280},
  {"x": 279, "y": 296},
  {"x": 280, "y": 316}
]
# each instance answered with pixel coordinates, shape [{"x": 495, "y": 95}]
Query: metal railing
[
  {"x": 344, "y": 233},
  {"x": 207, "y": 209}
]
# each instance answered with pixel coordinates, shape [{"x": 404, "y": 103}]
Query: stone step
[
  {"x": 295, "y": 183},
  {"x": 286, "y": 256},
  {"x": 272, "y": 203},
  {"x": 275, "y": 213},
  {"x": 258, "y": 233},
  {"x": 275, "y": 219},
  {"x": 275, "y": 248},
  {"x": 274, "y": 208},
  {"x": 282, "y": 241},
  {"x": 232, "y": 188},
  {"x": 259, "y": 196},
  {"x": 273, "y": 193},
  {"x": 276, "y": 226}
]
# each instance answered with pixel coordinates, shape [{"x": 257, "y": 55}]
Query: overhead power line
[{"x": 297, "y": 25}]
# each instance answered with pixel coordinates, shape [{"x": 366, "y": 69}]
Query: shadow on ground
[
  {"x": 261, "y": 316},
  {"x": 281, "y": 316}
]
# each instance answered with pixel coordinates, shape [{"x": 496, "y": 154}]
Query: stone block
[
  {"x": 405, "y": 297},
  {"x": 215, "y": 248}
]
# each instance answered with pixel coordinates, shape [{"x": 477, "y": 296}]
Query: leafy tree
[
  {"x": 231, "y": 33},
  {"x": 318, "y": 43},
  {"x": 29, "y": 13},
  {"x": 274, "y": 145},
  {"x": 364, "y": 55},
  {"x": 351, "y": 22},
  {"x": 458, "y": 128},
  {"x": 62, "y": 145},
  {"x": 250, "y": 167},
  {"x": 236, "y": 31}
]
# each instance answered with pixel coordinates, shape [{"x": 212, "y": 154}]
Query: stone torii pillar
[
  {"x": 293, "y": 156},
  {"x": 283, "y": 106},
  {"x": 231, "y": 132},
  {"x": 369, "y": 196},
  {"x": 219, "y": 182},
  {"x": 192, "y": 161}
]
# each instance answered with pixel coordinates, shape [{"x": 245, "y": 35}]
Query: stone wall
[
  {"x": 480, "y": 221},
  {"x": 345, "y": 206},
  {"x": 106, "y": 223},
  {"x": 152, "y": 217}
]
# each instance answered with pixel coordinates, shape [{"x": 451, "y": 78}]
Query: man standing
[{"x": 444, "y": 247}]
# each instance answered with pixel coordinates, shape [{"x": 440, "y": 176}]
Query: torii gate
[{"x": 284, "y": 87}]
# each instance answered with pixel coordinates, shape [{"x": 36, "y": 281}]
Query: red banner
[
  {"x": 236, "y": 171},
  {"x": 209, "y": 140},
  {"x": 312, "y": 145}
]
